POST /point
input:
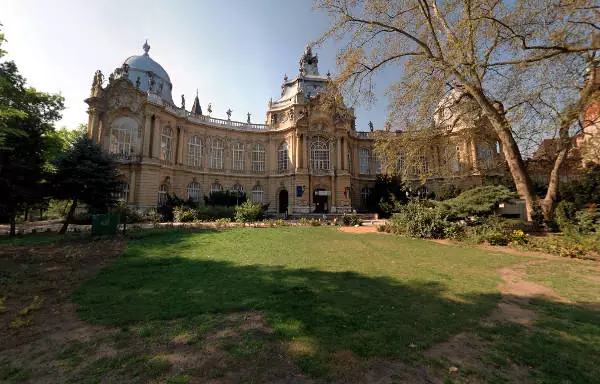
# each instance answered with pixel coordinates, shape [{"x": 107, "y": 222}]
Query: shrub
[
  {"x": 214, "y": 212},
  {"x": 248, "y": 212},
  {"x": 183, "y": 214},
  {"x": 303, "y": 221},
  {"x": 420, "y": 219},
  {"x": 351, "y": 219},
  {"x": 223, "y": 222},
  {"x": 280, "y": 223},
  {"x": 446, "y": 192},
  {"x": 225, "y": 198},
  {"x": 495, "y": 231},
  {"x": 314, "y": 222},
  {"x": 480, "y": 201}
]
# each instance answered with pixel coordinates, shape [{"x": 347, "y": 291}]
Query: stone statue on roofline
[
  {"x": 249, "y": 117},
  {"x": 183, "y": 101},
  {"x": 371, "y": 126},
  {"x": 229, "y": 111},
  {"x": 98, "y": 79},
  {"x": 209, "y": 108}
]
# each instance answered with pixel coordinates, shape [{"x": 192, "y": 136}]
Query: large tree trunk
[
  {"x": 549, "y": 202},
  {"x": 69, "y": 217},
  {"x": 510, "y": 148},
  {"x": 13, "y": 225}
]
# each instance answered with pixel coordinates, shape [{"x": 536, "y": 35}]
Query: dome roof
[
  {"x": 456, "y": 110},
  {"x": 143, "y": 70}
]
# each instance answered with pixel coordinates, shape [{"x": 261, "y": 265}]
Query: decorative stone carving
[
  {"x": 308, "y": 63},
  {"x": 228, "y": 113},
  {"x": 98, "y": 79},
  {"x": 371, "y": 126}
]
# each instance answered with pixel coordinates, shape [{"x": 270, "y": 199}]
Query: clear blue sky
[{"x": 234, "y": 52}]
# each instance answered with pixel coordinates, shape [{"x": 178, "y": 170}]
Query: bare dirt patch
[{"x": 359, "y": 230}]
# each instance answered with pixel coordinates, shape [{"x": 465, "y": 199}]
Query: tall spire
[
  {"x": 146, "y": 47},
  {"x": 196, "y": 108}
]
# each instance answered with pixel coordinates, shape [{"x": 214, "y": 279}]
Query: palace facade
[{"x": 308, "y": 157}]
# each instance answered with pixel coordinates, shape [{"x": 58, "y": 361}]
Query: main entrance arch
[
  {"x": 283, "y": 201},
  {"x": 321, "y": 200}
]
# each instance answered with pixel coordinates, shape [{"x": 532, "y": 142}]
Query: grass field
[
  {"x": 373, "y": 295},
  {"x": 295, "y": 304}
]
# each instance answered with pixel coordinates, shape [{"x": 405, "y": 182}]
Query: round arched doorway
[{"x": 283, "y": 201}]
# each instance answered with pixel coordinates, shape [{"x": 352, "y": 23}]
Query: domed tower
[{"x": 147, "y": 74}]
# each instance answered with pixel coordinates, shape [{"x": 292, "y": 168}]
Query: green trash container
[{"x": 106, "y": 224}]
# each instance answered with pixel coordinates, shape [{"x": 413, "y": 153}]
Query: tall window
[
  {"x": 194, "y": 192},
  {"x": 162, "y": 195},
  {"x": 453, "y": 158},
  {"x": 421, "y": 167},
  {"x": 319, "y": 154},
  {"x": 485, "y": 155},
  {"x": 238, "y": 157},
  {"x": 216, "y": 187},
  {"x": 216, "y": 154},
  {"x": 364, "y": 158},
  {"x": 122, "y": 193},
  {"x": 195, "y": 151},
  {"x": 122, "y": 136},
  {"x": 258, "y": 158},
  {"x": 282, "y": 157},
  {"x": 258, "y": 194},
  {"x": 166, "y": 143},
  {"x": 400, "y": 163},
  {"x": 379, "y": 159},
  {"x": 365, "y": 193}
]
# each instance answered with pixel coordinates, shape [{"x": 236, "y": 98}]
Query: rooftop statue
[
  {"x": 183, "y": 101},
  {"x": 209, "y": 108},
  {"x": 249, "y": 117},
  {"x": 98, "y": 79},
  {"x": 308, "y": 63},
  {"x": 371, "y": 126},
  {"x": 229, "y": 113}
]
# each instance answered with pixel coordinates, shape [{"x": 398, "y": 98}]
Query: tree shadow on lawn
[{"x": 319, "y": 312}]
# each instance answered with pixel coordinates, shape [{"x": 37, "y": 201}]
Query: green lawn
[{"x": 327, "y": 291}]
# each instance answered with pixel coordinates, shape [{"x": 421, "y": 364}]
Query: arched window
[
  {"x": 258, "y": 158},
  {"x": 122, "y": 136},
  {"x": 216, "y": 187},
  {"x": 238, "y": 157},
  {"x": 194, "y": 192},
  {"x": 195, "y": 151},
  {"x": 166, "y": 143},
  {"x": 364, "y": 159},
  {"x": 122, "y": 192},
  {"x": 238, "y": 189},
  {"x": 485, "y": 155},
  {"x": 282, "y": 157},
  {"x": 365, "y": 193},
  {"x": 319, "y": 154},
  {"x": 163, "y": 190},
  {"x": 422, "y": 166},
  {"x": 216, "y": 154},
  {"x": 258, "y": 194}
]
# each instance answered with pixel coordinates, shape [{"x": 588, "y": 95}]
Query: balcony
[{"x": 123, "y": 158}]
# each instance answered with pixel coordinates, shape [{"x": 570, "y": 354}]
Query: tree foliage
[
  {"x": 480, "y": 201},
  {"x": 26, "y": 116},
  {"x": 85, "y": 174},
  {"x": 521, "y": 64}
]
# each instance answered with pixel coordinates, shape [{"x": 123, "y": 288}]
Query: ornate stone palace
[{"x": 307, "y": 157}]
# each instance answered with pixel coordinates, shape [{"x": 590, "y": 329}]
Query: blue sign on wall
[{"x": 299, "y": 190}]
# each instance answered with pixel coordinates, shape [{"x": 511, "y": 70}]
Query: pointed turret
[{"x": 196, "y": 108}]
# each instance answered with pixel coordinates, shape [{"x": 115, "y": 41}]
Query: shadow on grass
[
  {"x": 323, "y": 312},
  {"x": 562, "y": 346}
]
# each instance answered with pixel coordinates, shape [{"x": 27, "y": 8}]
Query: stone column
[
  {"x": 474, "y": 164},
  {"x": 333, "y": 199},
  {"x": 156, "y": 139},
  {"x": 180, "y": 133},
  {"x": 147, "y": 136},
  {"x": 345, "y": 155},
  {"x": 132, "y": 181},
  {"x": 338, "y": 151},
  {"x": 93, "y": 124},
  {"x": 297, "y": 152},
  {"x": 304, "y": 151}
]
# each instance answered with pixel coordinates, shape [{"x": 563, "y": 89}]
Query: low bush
[
  {"x": 183, "y": 214},
  {"x": 495, "y": 231},
  {"x": 422, "y": 220},
  {"x": 314, "y": 222},
  {"x": 351, "y": 219},
  {"x": 248, "y": 212}
]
